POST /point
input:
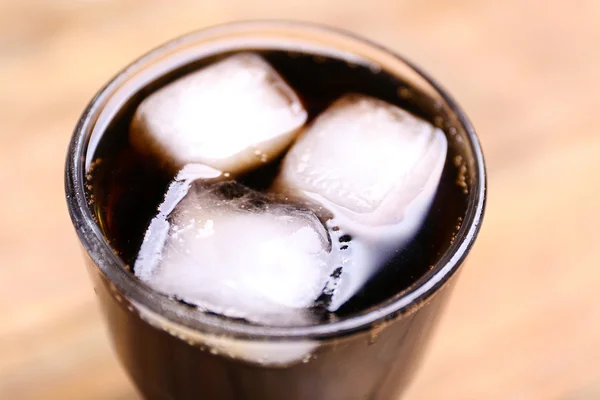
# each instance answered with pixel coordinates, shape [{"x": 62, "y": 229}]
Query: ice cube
[
  {"x": 233, "y": 251},
  {"x": 376, "y": 168},
  {"x": 158, "y": 230},
  {"x": 232, "y": 115}
]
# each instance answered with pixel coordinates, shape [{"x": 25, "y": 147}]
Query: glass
[{"x": 174, "y": 352}]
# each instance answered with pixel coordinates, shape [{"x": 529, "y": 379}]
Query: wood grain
[{"x": 524, "y": 322}]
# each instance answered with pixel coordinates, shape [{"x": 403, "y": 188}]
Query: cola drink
[{"x": 293, "y": 326}]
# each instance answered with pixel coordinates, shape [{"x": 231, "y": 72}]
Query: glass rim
[{"x": 111, "y": 265}]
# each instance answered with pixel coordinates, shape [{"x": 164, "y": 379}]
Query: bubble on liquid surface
[{"x": 233, "y": 115}]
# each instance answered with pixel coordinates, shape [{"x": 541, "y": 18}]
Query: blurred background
[{"x": 524, "y": 321}]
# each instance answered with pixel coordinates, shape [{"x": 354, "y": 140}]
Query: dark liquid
[{"x": 125, "y": 188}]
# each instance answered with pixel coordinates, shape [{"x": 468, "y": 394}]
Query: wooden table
[{"x": 524, "y": 322}]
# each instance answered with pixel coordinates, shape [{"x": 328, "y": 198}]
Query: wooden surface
[{"x": 524, "y": 322}]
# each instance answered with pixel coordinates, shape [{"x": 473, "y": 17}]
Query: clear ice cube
[
  {"x": 376, "y": 169},
  {"x": 233, "y": 251},
  {"x": 233, "y": 115}
]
